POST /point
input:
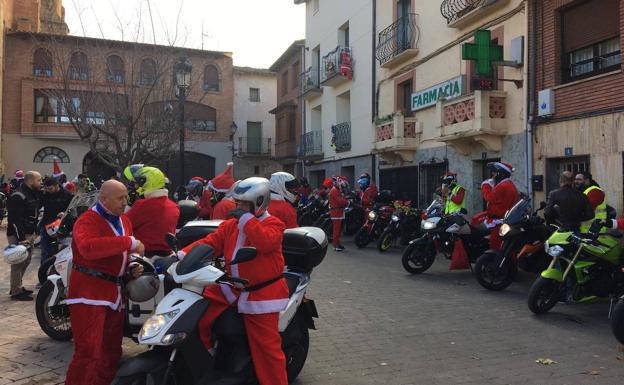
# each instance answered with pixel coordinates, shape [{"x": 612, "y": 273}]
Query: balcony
[
  {"x": 254, "y": 147},
  {"x": 310, "y": 84},
  {"x": 398, "y": 42},
  {"x": 477, "y": 118},
  {"x": 337, "y": 67},
  {"x": 460, "y": 13},
  {"x": 311, "y": 147},
  {"x": 397, "y": 140},
  {"x": 286, "y": 149},
  {"x": 341, "y": 137}
]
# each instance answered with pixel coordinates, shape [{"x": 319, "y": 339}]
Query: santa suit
[
  {"x": 222, "y": 209},
  {"x": 337, "y": 204},
  {"x": 369, "y": 196},
  {"x": 152, "y": 218},
  {"x": 499, "y": 200},
  {"x": 283, "y": 210},
  {"x": 260, "y": 308},
  {"x": 95, "y": 304},
  {"x": 205, "y": 205}
]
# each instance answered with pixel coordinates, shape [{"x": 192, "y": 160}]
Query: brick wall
[{"x": 292, "y": 96}]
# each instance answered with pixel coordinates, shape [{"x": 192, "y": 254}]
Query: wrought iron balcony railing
[
  {"x": 453, "y": 10},
  {"x": 342, "y": 136},
  {"x": 309, "y": 80},
  {"x": 250, "y": 146},
  {"x": 400, "y": 36},
  {"x": 311, "y": 144},
  {"x": 337, "y": 62}
]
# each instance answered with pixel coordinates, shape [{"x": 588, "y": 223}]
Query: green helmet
[
  {"x": 130, "y": 171},
  {"x": 149, "y": 179}
]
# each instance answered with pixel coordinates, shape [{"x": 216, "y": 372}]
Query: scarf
[{"x": 114, "y": 220}]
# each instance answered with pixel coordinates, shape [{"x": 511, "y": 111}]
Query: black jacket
[
  {"x": 53, "y": 204},
  {"x": 573, "y": 208},
  {"x": 23, "y": 212}
]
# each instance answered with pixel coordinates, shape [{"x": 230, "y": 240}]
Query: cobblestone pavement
[{"x": 380, "y": 325}]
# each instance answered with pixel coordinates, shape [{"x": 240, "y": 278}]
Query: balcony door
[
  {"x": 254, "y": 137},
  {"x": 404, "y": 33}
]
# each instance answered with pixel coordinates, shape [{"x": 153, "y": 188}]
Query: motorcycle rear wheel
[
  {"x": 543, "y": 295},
  {"x": 362, "y": 238},
  {"x": 617, "y": 321},
  {"x": 54, "y": 321},
  {"x": 418, "y": 258},
  {"x": 491, "y": 276},
  {"x": 297, "y": 354},
  {"x": 384, "y": 243}
]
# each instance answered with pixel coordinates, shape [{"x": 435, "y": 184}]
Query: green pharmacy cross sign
[{"x": 483, "y": 52}]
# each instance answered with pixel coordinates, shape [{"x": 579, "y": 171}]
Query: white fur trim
[
  {"x": 260, "y": 307},
  {"x": 243, "y": 221},
  {"x": 227, "y": 293},
  {"x": 181, "y": 254},
  {"x": 133, "y": 246},
  {"x": 163, "y": 192},
  {"x": 211, "y": 186}
]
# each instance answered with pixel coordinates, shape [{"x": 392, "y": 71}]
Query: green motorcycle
[{"x": 583, "y": 267}]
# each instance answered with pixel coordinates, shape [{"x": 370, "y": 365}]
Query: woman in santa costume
[
  {"x": 220, "y": 185},
  {"x": 101, "y": 243},
  {"x": 266, "y": 294},
  {"x": 337, "y": 205},
  {"x": 284, "y": 188},
  {"x": 501, "y": 194}
]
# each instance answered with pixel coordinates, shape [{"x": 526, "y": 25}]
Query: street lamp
[
  {"x": 182, "y": 71},
  {"x": 233, "y": 129}
]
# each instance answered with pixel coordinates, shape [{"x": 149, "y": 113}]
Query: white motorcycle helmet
[
  {"x": 14, "y": 254},
  {"x": 284, "y": 185},
  {"x": 255, "y": 190},
  {"x": 143, "y": 288}
]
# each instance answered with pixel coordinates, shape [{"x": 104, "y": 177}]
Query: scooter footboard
[{"x": 152, "y": 361}]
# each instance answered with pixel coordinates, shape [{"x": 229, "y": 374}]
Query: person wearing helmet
[
  {"x": 502, "y": 197},
  {"x": 266, "y": 294},
  {"x": 337, "y": 205},
  {"x": 100, "y": 246},
  {"x": 155, "y": 215},
  {"x": 453, "y": 194},
  {"x": 129, "y": 173},
  {"x": 368, "y": 191},
  {"x": 220, "y": 185},
  {"x": 284, "y": 198},
  {"x": 54, "y": 201},
  {"x": 326, "y": 187}
]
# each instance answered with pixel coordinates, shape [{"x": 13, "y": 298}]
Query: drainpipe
[
  {"x": 375, "y": 170},
  {"x": 302, "y": 105},
  {"x": 531, "y": 119}
]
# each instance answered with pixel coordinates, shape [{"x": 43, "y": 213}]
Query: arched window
[
  {"x": 147, "y": 72},
  {"x": 79, "y": 66},
  {"x": 115, "y": 69},
  {"x": 42, "y": 63},
  {"x": 199, "y": 117},
  {"x": 48, "y": 154},
  {"x": 211, "y": 78}
]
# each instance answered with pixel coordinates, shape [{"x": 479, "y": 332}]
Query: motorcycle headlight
[
  {"x": 504, "y": 230},
  {"x": 555, "y": 251},
  {"x": 155, "y": 323},
  {"x": 428, "y": 225},
  {"x": 395, "y": 218},
  {"x": 372, "y": 215}
]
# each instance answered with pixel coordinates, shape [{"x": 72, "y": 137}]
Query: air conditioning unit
[{"x": 546, "y": 103}]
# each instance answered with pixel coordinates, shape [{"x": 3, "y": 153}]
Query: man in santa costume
[
  {"x": 154, "y": 214},
  {"x": 501, "y": 194},
  {"x": 337, "y": 205},
  {"x": 368, "y": 191},
  {"x": 284, "y": 188},
  {"x": 101, "y": 243},
  {"x": 266, "y": 294},
  {"x": 219, "y": 186}
]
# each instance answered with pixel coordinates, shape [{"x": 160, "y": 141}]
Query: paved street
[{"x": 379, "y": 325}]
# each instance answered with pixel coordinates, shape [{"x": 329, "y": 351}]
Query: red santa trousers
[
  {"x": 495, "y": 242},
  {"x": 263, "y": 335},
  {"x": 98, "y": 333},
  {"x": 337, "y": 223}
]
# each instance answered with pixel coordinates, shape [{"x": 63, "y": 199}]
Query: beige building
[{"x": 429, "y": 117}]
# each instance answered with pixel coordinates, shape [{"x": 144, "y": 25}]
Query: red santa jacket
[
  {"x": 369, "y": 196},
  {"x": 265, "y": 234},
  {"x": 501, "y": 198},
  {"x": 205, "y": 205},
  {"x": 96, "y": 245},
  {"x": 222, "y": 209},
  {"x": 337, "y": 204},
  {"x": 283, "y": 211},
  {"x": 152, "y": 218}
]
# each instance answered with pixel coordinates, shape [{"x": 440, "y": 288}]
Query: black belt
[
  {"x": 262, "y": 284},
  {"x": 98, "y": 274}
]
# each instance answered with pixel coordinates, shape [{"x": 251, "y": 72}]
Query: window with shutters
[
  {"x": 254, "y": 94},
  {"x": 590, "y": 39}
]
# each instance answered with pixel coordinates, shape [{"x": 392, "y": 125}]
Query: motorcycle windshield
[{"x": 517, "y": 213}]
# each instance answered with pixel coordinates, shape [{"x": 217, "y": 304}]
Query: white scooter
[{"x": 177, "y": 355}]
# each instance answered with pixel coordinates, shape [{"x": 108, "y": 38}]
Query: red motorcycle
[{"x": 376, "y": 221}]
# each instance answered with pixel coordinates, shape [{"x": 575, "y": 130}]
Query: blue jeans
[{"x": 48, "y": 247}]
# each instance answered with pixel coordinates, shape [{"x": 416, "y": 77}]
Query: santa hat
[
  {"x": 19, "y": 174},
  {"x": 57, "y": 170},
  {"x": 223, "y": 181},
  {"x": 505, "y": 166},
  {"x": 70, "y": 186}
]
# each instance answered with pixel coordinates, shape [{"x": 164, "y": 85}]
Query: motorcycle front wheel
[
  {"x": 617, "y": 321},
  {"x": 491, "y": 275},
  {"x": 54, "y": 321},
  {"x": 418, "y": 257},
  {"x": 46, "y": 269},
  {"x": 361, "y": 238},
  {"x": 544, "y": 294},
  {"x": 384, "y": 243}
]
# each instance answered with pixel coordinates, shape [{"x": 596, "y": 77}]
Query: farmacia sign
[{"x": 450, "y": 89}]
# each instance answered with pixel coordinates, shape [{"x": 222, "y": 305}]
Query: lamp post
[{"x": 183, "y": 81}]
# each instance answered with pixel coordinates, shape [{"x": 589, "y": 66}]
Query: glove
[{"x": 237, "y": 213}]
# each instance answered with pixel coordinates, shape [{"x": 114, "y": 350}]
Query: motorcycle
[
  {"x": 309, "y": 213},
  {"x": 441, "y": 235},
  {"x": 377, "y": 220},
  {"x": 583, "y": 268},
  {"x": 179, "y": 357},
  {"x": 404, "y": 226},
  {"x": 354, "y": 216},
  {"x": 523, "y": 234}
]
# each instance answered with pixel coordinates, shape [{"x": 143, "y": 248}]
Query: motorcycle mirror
[
  {"x": 244, "y": 254},
  {"x": 172, "y": 241}
]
